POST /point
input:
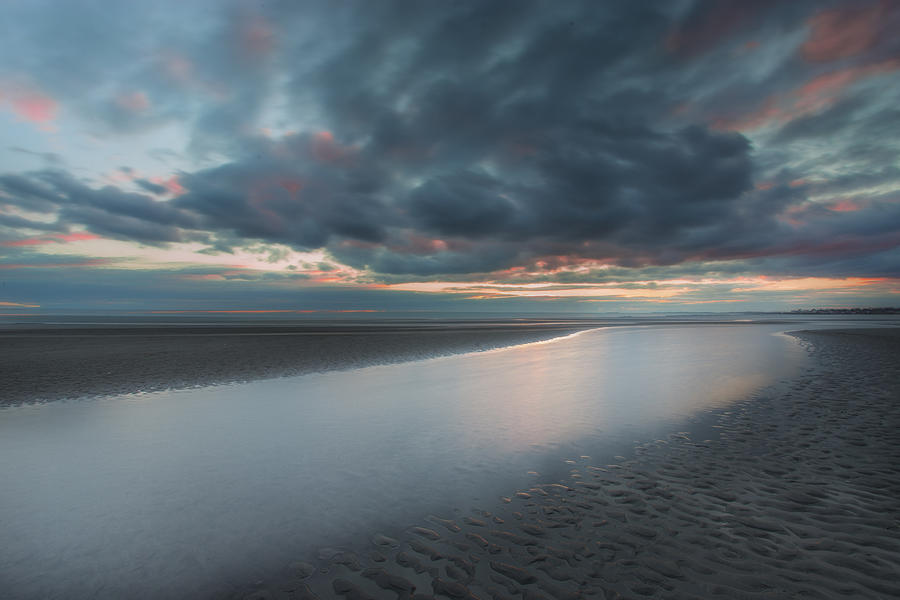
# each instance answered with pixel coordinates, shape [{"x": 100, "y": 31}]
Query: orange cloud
[{"x": 18, "y": 305}]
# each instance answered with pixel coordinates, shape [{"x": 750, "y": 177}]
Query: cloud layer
[{"x": 478, "y": 141}]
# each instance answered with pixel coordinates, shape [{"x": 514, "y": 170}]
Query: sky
[{"x": 496, "y": 156}]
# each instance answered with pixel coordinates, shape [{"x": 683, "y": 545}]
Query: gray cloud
[
  {"x": 108, "y": 211},
  {"x": 469, "y": 137},
  {"x": 51, "y": 158}
]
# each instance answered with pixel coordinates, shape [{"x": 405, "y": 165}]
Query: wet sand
[
  {"x": 53, "y": 363},
  {"x": 797, "y": 497}
]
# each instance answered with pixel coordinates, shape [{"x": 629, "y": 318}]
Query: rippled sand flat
[{"x": 796, "y": 498}]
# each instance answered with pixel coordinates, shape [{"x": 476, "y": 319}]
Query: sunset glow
[{"x": 709, "y": 156}]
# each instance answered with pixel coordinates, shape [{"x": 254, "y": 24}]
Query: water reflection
[{"x": 179, "y": 493}]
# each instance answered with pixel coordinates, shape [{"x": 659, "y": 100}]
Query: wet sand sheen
[
  {"x": 197, "y": 493},
  {"x": 193, "y": 493},
  {"x": 796, "y": 498}
]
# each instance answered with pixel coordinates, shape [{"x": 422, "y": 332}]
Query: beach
[
  {"x": 377, "y": 300},
  {"x": 679, "y": 460},
  {"x": 74, "y": 361},
  {"x": 796, "y": 497}
]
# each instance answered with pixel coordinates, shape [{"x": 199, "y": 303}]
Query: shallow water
[{"x": 190, "y": 493}]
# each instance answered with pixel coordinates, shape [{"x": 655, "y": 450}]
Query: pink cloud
[
  {"x": 76, "y": 237},
  {"x": 122, "y": 176},
  {"x": 30, "y": 104},
  {"x": 722, "y": 20},
  {"x": 25, "y": 242},
  {"x": 846, "y": 31},
  {"x": 93, "y": 262},
  {"x": 325, "y": 149},
  {"x": 133, "y": 102},
  {"x": 845, "y": 206},
  {"x": 172, "y": 184},
  {"x": 824, "y": 89},
  {"x": 751, "y": 120},
  {"x": 293, "y": 186},
  {"x": 814, "y": 95},
  {"x": 179, "y": 68},
  {"x": 35, "y": 107},
  {"x": 53, "y": 239},
  {"x": 419, "y": 244},
  {"x": 256, "y": 38}
]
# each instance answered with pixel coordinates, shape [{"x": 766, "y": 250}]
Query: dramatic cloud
[{"x": 413, "y": 143}]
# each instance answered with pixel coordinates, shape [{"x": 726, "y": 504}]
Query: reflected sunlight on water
[{"x": 178, "y": 493}]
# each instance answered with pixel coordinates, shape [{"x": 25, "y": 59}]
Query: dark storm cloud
[
  {"x": 301, "y": 190},
  {"x": 407, "y": 257},
  {"x": 516, "y": 127},
  {"x": 434, "y": 139},
  {"x": 466, "y": 204},
  {"x": 596, "y": 180}
]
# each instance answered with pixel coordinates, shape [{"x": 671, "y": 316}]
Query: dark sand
[
  {"x": 52, "y": 363},
  {"x": 799, "y": 497}
]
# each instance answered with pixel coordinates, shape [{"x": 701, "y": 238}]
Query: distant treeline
[{"x": 847, "y": 311}]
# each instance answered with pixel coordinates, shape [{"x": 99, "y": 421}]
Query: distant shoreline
[
  {"x": 844, "y": 311},
  {"x": 41, "y": 362}
]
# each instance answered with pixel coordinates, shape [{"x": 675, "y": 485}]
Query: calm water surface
[{"x": 184, "y": 494}]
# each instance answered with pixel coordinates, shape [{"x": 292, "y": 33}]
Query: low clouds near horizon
[{"x": 455, "y": 147}]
